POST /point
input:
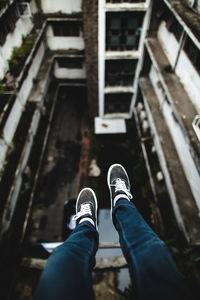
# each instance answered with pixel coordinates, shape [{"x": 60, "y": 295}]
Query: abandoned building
[{"x": 77, "y": 77}]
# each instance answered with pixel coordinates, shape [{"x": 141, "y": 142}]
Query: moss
[
  {"x": 1, "y": 87},
  {"x": 19, "y": 55}
]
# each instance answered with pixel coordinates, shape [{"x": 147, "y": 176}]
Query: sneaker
[
  {"x": 118, "y": 183},
  {"x": 86, "y": 206}
]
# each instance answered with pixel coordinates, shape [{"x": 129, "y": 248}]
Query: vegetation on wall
[
  {"x": 19, "y": 55},
  {"x": 1, "y": 87}
]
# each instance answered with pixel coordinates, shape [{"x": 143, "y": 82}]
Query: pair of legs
[{"x": 67, "y": 274}]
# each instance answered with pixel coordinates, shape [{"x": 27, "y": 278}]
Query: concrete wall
[
  {"x": 63, "y": 6},
  {"x": 90, "y": 33},
  {"x": 32, "y": 130},
  {"x": 178, "y": 138},
  {"x": 185, "y": 70},
  {"x": 164, "y": 168},
  {"x": 196, "y": 6},
  {"x": 14, "y": 39},
  {"x": 63, "y": 42},
  {"x": 64, "y": 73},
  {"x": 17, "y": 109}
]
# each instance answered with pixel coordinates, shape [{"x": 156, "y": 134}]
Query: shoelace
[
  {"x": 85, "y": 210},
  {"x": 121, "y": 186}
]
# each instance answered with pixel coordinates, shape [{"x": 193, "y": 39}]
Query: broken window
[
  {"x": 117, "y": 103},
  {"x": 120, "y": 72},
  {"x": 70, "y": 62},
  {"x": 123, "y": 30},
  {"x": 193, "y": 53},
  {"x": 66, "y": 28},
  {"x": 8, "y": 21}
]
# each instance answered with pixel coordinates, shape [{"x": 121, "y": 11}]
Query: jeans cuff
[{"x": 120, "y": 202}]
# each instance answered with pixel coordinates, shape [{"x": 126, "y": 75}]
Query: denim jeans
[{"x": 67, "y": 274}]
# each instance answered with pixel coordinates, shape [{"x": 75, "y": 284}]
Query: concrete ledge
[
  {"x": 112, "y": 7},
  {"x": 183, "y": 108},
  {"x": 183, "y": 203},
  {"x": 101, "y": 263},
  {"x": 108, "y": 126}
]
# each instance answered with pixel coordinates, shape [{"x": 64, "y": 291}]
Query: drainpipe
[{"x": 181, "y": 45}]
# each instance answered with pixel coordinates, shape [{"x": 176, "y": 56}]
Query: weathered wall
[
  {"x": 179, "y": 139},
  {"x": 14, "y": 39},
  {"x": 196, "y": 5},
  {"x": 63, "y": 42},
  {"x": 63, "y": 6},
  {"x": 65, "y": 73},
  {"x": 90, "y": 33},
  {"x": 185, "y": 70},
  {"x": 17, "y": 109}
]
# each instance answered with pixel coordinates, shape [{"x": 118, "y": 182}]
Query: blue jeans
[{"x": 67, "y": 274}]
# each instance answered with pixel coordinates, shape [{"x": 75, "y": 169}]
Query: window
[
  {"x": 117, "y": 103},
  {"x": 193, "y": 53},
  {"x": 120, "y": 72},
  {"x": 123, "y": 30},
  {"x": 70, "y": 62},
  {"x": 66, "y": 28}
]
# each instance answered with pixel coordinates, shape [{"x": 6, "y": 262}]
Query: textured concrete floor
[{"x": 58, "y": 180}]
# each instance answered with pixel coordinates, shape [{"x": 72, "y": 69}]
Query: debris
[{"x": 94, "y": 170}]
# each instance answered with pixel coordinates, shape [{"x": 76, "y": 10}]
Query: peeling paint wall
[
  {"x": 66, "y": 73},
  {"x": 179, "y": 139},
  {"x": 63, "y": 42},
  {"x": 195, "y": 4},
  {"x": 63, "y": 6},
  {"x": 186, "y": 72},
  {"x": 14, "y": 39},
  {"x": 198, "y": 6},
  {"x": 17, "y": 109}
]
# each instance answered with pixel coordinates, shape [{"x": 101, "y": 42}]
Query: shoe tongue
[{"x": 119, "y": 179}]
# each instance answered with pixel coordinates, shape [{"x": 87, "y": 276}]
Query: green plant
[
  {"x": 18, "y": 56},
  {"x": 1, "y": 88}
]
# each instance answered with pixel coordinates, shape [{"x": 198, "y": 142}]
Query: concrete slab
[
  {"x": 109, "y": 126},
  {"x": 107, "y": 231}
]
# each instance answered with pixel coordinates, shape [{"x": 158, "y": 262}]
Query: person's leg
[
  {"x": 153, "y": 272},
  {"x": 67, "y": 274}
]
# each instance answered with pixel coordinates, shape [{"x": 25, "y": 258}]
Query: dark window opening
[
  {"x": 7, "y": 22},
  {"x": 123, "y": 30},
  {"x": 66, "y": 28},
  {"x": 117, "y": 103},
  {"x": 70, "y": 62},
  {"x": 120, "y": 72},
  {"x": 193, "y": 53}
]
